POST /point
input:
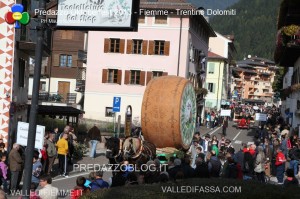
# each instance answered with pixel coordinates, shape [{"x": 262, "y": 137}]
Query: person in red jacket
[
  {"x": 44, "y": 159},
  {"x": 280, "y": 165}
]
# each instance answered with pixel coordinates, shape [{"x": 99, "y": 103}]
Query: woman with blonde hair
[{"x": 259, "y": 166}]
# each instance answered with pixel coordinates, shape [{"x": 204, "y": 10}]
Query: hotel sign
[{"x": 98, "y": 14}]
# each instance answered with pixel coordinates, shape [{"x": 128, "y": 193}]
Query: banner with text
[
  {"x": 261, "y": 117},
  {"x": 22, "y": 135},
  {"x": 225, "y": 112}
]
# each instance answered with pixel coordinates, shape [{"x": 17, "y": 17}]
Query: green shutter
[{"x": 214, "y": 87}]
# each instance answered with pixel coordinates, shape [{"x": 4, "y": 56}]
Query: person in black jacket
[
  {"x": 291, "y": 180},
  {"x": 214, "y": 165},
  {"x": 95, "y": 136},
  {"x": 201, "y": 170},
  {"x": 294, "y": 155},
  {"x": 248, "y": 168}
]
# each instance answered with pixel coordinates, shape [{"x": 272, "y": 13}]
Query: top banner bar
[{"x": 98, "y": 14}]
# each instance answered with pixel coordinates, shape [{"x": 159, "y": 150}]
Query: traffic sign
[{"x": 116, "y": 104}]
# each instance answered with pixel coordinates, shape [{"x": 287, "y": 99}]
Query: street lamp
[{"x": 34, "y": 103}]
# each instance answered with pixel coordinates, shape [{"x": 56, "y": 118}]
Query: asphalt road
[{"x": 237, "y": 137}]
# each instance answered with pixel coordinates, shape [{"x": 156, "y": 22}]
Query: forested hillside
[
  {"x": 213, "y": 4},
  {"x": 254, "y": 27}
]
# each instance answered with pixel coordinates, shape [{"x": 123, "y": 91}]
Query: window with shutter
[
  {"x": 69, "y": 61},
  {"x": 65, "y": 60},
  {"x": 142, "y": 78},
  {"x": 122, "y": 46},
  {"x": 106, "y": 45},
  {"x": 127, "y": 77},
  {"x": 114, "y": 45},
  {"x": 145, "y": 47},
  {"x": 156, "y": 74},
  {"x": 214, "y": 88},
  {"x": 104, "y": 76},
  {"x": 67, "y": 34},
  {"x": 211, "y": 68},
  {"x": 167, "y": 48},
  {"x": 161, "y": 19},
  {"x": 149, "y": 76},
  {"x": 210, "y": 87},
  {"x": 119, "y": 77},
  {"x": 135, "y": 77},
  {"x": 151, "y": 48},
  {"x": 129, "y": 46},
  {"x": 62, "y": 60},
  {"x": 141, "y": 19},
  {"x": 159, "y": 47},
  {"x": 137, "y": 46},
  {"x": 112, "y": 76}
]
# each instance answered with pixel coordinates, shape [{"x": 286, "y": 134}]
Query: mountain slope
[
  {"x": 213, "y": 4},
  {"x": 254, "y": 27}
]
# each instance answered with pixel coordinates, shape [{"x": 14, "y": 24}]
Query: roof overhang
[
  {"x": 29, "y": 48},
  {"x": 58, "y": 110}
]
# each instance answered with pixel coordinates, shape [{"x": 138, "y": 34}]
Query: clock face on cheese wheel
[{"x": 188, "y": 114}]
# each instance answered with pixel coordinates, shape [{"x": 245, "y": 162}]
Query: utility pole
[{"x": 34, "y": 102}]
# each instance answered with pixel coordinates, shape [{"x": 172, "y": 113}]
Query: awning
[{"x": 58, "y": 110}]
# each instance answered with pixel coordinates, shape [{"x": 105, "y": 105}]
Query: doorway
[{"x": 63, "y": 89}]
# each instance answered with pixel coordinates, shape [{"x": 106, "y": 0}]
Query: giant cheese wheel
[{"x": 169, "y": 112}]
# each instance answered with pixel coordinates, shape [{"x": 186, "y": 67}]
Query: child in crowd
[
  {"x": 80, "y": 189},
  {"x": 4, "y": 178}
]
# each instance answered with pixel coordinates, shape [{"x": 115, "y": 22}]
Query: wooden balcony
[{"x": 68, "y": 98}]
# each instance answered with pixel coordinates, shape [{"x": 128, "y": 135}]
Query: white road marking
[
  {"x": 238, "y": 142},
  {"x": 249, "y": 143},
  {"x": 211, "y": 132},
  {"x": 214, "y": 131},
  {"x": 72, "y": 176},
  {"x": 237, "y": 134}
]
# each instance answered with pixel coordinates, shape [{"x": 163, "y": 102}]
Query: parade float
[{"x": 169, "y": 115}]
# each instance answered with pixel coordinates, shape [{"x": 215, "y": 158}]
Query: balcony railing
[
  {"x": 82, "y": 56},
  {"x": 68, "y": 98}
]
